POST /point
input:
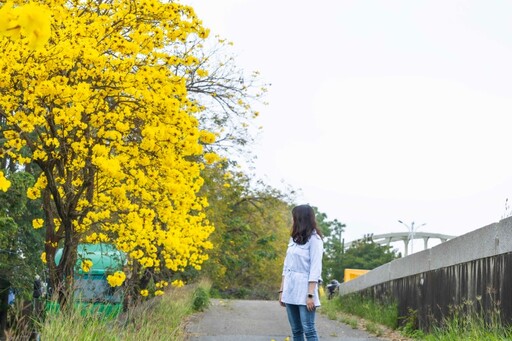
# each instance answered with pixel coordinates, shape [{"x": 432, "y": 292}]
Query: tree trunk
[
  {"x": 66, "y": 272},
  {"x": 61, "y": 275}
]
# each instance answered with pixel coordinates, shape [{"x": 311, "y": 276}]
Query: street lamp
[{"x": 412, "y": 229}]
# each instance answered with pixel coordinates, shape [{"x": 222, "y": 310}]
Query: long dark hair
[{"x": 304, "y": 224}]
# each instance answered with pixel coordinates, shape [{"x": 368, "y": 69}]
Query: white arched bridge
[{"x": 388, "y": 238}]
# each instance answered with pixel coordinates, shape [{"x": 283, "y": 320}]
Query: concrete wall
[{"x": 475, "y": 268}]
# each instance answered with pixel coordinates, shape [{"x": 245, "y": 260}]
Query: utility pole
[{"x": 412, "y": 229}]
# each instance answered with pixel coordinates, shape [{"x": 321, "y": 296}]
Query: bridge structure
[{"x": 405, "y": 237}]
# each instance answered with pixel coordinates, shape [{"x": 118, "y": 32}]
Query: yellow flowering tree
[{"x": 100, "y": 111}]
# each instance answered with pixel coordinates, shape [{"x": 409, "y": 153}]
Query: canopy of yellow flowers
[{"x": 94, "y": 103}]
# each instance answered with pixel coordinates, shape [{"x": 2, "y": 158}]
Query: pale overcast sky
[{"x": 381, "y": 110}]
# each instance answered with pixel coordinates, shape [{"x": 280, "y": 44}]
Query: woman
[{"x": 301, "y": 273}]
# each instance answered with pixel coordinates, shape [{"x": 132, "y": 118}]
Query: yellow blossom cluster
[
  {"x": 161, "y": 284},
  {"x": 34, "y": 192},
  {"x": 4, "y": 183},
  {"x": 95, "y": 238},
  {"x": 37, "y": 223},
  {"x": 117, "y": 279},
  {"x": 86, "y": 265},
  {"x": 207, "y": 137},
  {"x": 110, "y": 125},
  {"x": 30, "y": 22},
  {"x": 177, "y": 283},
  {"x": 211, "y": 158}
]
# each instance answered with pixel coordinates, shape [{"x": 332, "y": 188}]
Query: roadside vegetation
[
  {"x": 382, "y": 320},
  {"x": 359, "y": 313},
  {"x": 159, "y": 318},
  {"x": 468, "y": 324}
]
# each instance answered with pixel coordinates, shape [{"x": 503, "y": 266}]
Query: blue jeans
[{"x": 302, "y": 322}]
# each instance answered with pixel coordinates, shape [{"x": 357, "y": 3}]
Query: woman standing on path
[{"x": 301, "y": 272}]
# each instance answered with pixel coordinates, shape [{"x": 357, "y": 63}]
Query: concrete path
[{"x": 244, "y": 320}]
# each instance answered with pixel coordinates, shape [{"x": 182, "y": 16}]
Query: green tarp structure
[
  {"x": 106, "y": 259},
  {"x": 92, "y": 291}
]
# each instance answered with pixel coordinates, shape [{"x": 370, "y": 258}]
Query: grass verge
[
  {"x": 160, "y": 318},
  {"x": 359, "y": 313},
  {"x": 464, "y": 322},
  {"x": 384, "y": 314}
]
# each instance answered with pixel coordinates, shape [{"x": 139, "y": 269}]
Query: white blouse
[{"x": 303, "y": 264}]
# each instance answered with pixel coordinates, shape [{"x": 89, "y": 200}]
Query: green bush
[{"x": 201, "y": 299}]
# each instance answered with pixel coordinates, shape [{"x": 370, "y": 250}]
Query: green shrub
[{"x": 201, "y": 299}]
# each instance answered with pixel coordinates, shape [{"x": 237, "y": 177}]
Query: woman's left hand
[
  {"x": 280, "y": 301},
  {"x": 310, "y": 304}
]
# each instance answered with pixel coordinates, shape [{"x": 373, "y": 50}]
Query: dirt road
[{"x": 241, "y": 320}]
